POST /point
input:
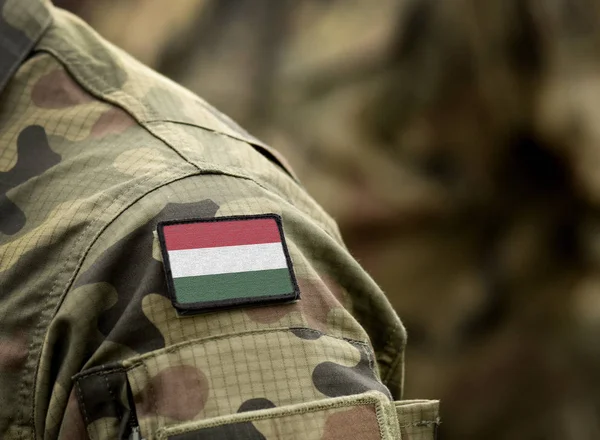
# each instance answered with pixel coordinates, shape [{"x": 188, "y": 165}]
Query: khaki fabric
[
  {"x": 95, "y": 150},
  {"x": 418, "y": 419}
]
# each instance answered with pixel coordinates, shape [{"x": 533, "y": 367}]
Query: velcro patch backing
[{"x": 225, "y": 262}]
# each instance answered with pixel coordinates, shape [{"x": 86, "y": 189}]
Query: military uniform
[{"x": 95, "y": 151}]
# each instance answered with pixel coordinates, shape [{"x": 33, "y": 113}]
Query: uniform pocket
[
  {"x": 207, "y": 378},
  {"x": 275, "y": 383}
]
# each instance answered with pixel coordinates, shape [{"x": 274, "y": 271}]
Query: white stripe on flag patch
[{"x": 227, "y": 259}]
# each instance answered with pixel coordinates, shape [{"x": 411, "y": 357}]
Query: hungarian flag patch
[{"x": 225, "y": 262}]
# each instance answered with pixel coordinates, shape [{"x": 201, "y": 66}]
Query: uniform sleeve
[{"x": 330, "y": 362}]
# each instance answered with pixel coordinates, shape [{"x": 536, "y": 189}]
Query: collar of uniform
[{"x": 22, "y": 23}]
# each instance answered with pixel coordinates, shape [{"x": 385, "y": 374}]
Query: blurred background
[{"x": 456, "y": 144}]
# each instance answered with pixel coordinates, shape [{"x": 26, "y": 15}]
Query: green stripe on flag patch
[{"x": 232, "y": 285}]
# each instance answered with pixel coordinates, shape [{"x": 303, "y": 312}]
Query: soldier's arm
[{"x": 329, "y": 364}]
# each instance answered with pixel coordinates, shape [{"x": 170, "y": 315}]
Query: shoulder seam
[
  {"x": 127, "y": 102},
  {"x": 66, "y": 62},
  {"x": 270, "y": 153}
]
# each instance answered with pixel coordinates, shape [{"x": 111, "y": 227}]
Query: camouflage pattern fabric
[
  {"x": 95, "y": 150},
  {"x": 469, "y": 190}
]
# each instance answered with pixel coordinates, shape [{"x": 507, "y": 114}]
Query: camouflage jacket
[{"x": 95, "y": 150}]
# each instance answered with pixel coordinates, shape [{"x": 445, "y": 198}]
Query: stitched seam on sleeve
[
  {"x": 152, "y": 392},
  {"x": 82, "y": 405},
  {"x": 42, "y": 326},
  {"x": 112, "y": 396},
  {"x": 421, "y": 424}
]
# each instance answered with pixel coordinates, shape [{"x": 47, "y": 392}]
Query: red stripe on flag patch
[{"x": 221, "y": 233}]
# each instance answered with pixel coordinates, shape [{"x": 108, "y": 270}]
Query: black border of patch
[{"x": 211, "y": 306}]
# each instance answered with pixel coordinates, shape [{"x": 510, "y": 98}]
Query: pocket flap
[{"x": 368, "y": 416}]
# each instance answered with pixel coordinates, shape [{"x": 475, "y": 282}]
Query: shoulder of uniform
[{"x": 152, "y": 99}]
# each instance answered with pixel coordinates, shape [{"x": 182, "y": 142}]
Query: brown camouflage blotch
[
  {"x": 13, "y": 352},
  {"x": 359, "y": 422},
  {"x": 317, "y": 299},
  {"x": 57, "y": 90},
  {"x": 73, "y": 426},
  {"x": 338, "y": 291},
  {"x": 269, "y": 315},
  {"x": 113, "y": 121},
  {"x": 177, "y": 392}
]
